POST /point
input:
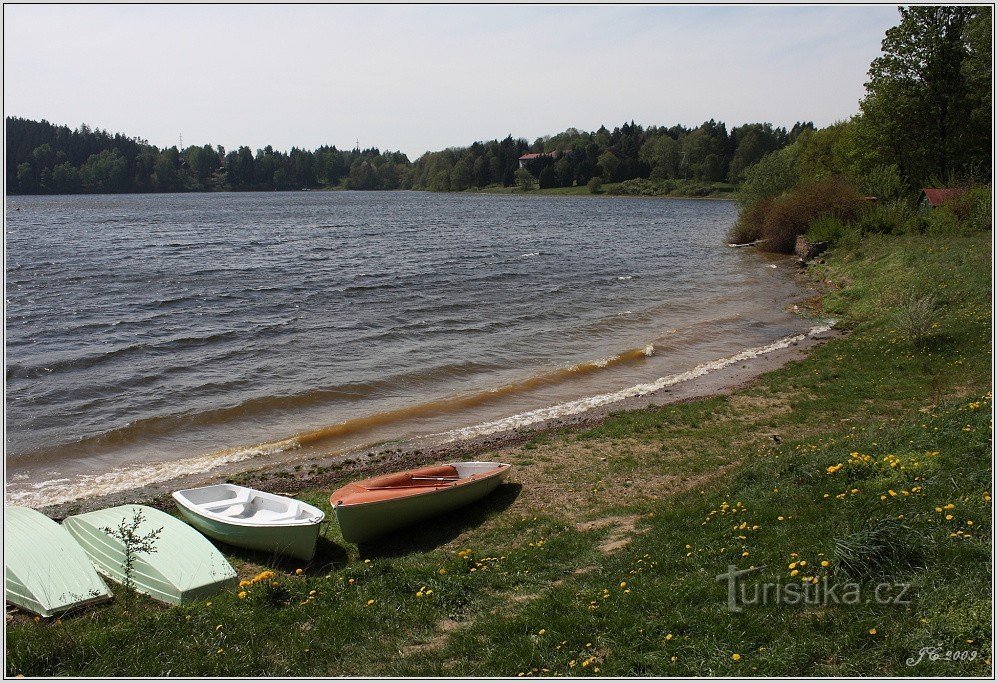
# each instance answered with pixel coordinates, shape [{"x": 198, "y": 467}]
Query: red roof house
[{"x": 941, "y": 195}]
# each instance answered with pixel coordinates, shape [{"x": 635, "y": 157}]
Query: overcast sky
[{"x": 426, "y": 78}]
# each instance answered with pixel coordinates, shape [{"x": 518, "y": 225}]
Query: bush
[
  {"x": 890, "y": 218},
  {"x": 972, "y": 210},
  {"x": 885, "y": 183},
  {"x": 525, "y": 179},
  {"x": 792, "y": 213},
  {"x": 774, "y": 174},
  {"x": 748, "y": 227},
  {"x": 595, "y": 184},
  {"x": 915, "y": 317},
  {"x": 826, "y": 229}
]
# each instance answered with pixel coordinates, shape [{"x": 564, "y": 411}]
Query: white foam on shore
[
  {"x": 63, "y": 490},
  {"x": 583, "y": 404}
]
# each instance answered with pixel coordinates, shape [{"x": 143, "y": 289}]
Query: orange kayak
[{"x": 372, "y": 507}]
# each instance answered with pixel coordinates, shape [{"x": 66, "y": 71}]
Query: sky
[{"x": 425, "y": 78}]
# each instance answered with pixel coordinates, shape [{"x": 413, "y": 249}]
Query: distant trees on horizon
[{"x": 43, "y": 158}]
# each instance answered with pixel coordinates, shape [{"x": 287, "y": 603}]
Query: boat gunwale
[
  {"x": 500, "y": 471},
  {"x": 191, "y": 507}
]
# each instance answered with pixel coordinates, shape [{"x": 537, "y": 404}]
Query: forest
[{"x": 44, "y": 158}]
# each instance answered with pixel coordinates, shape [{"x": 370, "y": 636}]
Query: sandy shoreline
[{"x": 331, "y": 470}]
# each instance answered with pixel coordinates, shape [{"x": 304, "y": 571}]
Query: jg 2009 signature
[{"x": 938, "y": 654}]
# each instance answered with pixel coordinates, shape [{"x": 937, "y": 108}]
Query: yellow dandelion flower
[
  {"x": 241, "y": 594},
  {"x": 825, "y": 563},
  {"x": 736, "y": 656},
  {"x": 873, "y": 631}
]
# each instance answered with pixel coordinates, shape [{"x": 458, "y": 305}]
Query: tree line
[
  {"x": 925, "y": 121},
  {"x": 43, "y": 158}
]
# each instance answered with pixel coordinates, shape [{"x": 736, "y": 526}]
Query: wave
[
  {"x": 63, "y": 490},
  {"x": 121, "y": 479},
  {"x": 180, "y": 343},
  {"x": 590, "y": 402},
  {"x": 56, "y": 491}
]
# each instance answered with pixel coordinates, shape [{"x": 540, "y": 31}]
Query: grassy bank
[
  {"x": 872, "y": 455},
  {"x": 684, "y": 189}
]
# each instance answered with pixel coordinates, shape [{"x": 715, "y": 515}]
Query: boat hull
[
  {"x": 184, "y": 567},
  {"x": 292, "y": 541},
  {"x": 366, "y": 521},
  {"x": 45, "y": 570}
]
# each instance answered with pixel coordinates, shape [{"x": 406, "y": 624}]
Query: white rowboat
[{"x": 252, "y": 519}]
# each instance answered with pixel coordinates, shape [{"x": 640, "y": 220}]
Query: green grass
[
  {"x": 674, "y": 495},
  {"x": 679, "y": 189}
]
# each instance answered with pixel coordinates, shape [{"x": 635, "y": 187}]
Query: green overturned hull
[
  {"x": 367, "y": 521},
  {"x": 293, "y": 541},
  {"x": 185, "y": 565},
  {"x": 45, "y": 570}
]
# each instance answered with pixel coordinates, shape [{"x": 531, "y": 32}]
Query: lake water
[{"x": 150, "y": 335}]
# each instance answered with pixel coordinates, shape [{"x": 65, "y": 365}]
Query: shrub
[
  {"x": 915, "y": 317},
  {"x": 890, "y": 218},
  {"x": 595, "y": 184},
  {"x": 774, "y": 174},
  {"x": 749, "y": 224},
  {"x": 972, "y": 210},
  {"x": 525, "y": 179},
  {"x": 885, "y": 183},
  {"x": 826, "y": 229},
  {"x": 793, "y": 212}
]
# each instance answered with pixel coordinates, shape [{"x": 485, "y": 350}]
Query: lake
[{"x": 151, "y": 334}]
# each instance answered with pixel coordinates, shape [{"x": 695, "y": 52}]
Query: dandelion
[
  {"x": 370, "y": 602},
  {"x": 240, "y": 595},
  {"x": 441, "y": 571},
  {"x": 623, "y": 584},
  {"x": 949, "y": 518},
  {"x": 669, "y": 637},
  {"x": 825, "y": 563},
  {"x": 795, "y": 572},
  {"x": 299, "y": 572},
  {"x": 736, "y": 656},
  {"x": 873, "y": 631},
  {"x": 542, "y": 632}
]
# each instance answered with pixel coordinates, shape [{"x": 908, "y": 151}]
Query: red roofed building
[
  {"x": 942, "y": 195},
  {"x": 524, "y": 159}
]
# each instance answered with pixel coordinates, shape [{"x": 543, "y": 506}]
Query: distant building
[
  {"x": 527, "y": 158},
  {"x": 942, "y": 195}
]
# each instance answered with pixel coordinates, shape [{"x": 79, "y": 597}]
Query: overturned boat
[
  {"x": 252, "y": 519},
  {"x": 373, "y": 507},
  {"x": 182, "y": 566},
  {"x": 45, "y": 571}
]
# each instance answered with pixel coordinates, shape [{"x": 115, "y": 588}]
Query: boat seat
[{"x": 222, "y": 506}]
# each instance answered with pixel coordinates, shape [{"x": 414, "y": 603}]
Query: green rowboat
[
  {"x": 45, "y": 570},
  {"x": 184, "y": 566}
]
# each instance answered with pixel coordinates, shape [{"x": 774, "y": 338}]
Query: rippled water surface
[{"x": 150, "y": 329}]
